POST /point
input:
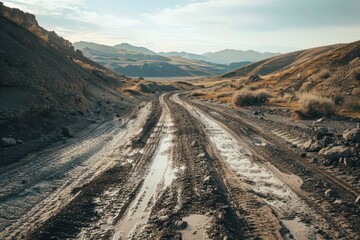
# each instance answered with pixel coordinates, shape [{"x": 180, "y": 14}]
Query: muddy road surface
[{"x": 175, "y": 168}]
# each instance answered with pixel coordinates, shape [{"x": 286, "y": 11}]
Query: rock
[
  {"x": 357, "y": 201},
  {"x": 72, "y": 112},
  {"x": 313, "y": 146},
  {"x": 256, "y": 112},
  {"x": 182, "y": 224},
  {"x": 320, "y": 120},
  {"x": 19, "y": 141},
  {"x": 335, "y": 152},
  {"x": 67, "y": 132},
  {"x": 163, "y": 218},
  {"x": 331, "y": 193},
  {"x": 254, "y": 78},
  {"x": 352, "y": 135},
  {"x": 314, "y": 160},
  {"x": 318, "y": 136},
  {"x": 327, "y": 141},
  {"x": 195, "y": 143},
  {"x": 7, "y": 142},
  {"x": 322, "y": 130},
  {"x": 303, "y": 155},
  {"x": 338, "y": 201},
  {"x": 207, "y": 179},
  {"x": 201, "y": 155},
  {"x": 348, "y": 162}
]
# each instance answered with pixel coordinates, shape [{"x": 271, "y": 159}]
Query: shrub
[
  {"x": 284, "y": 98},
  {"x": 250, "y": 98},
  {"x": 313, "y": 105},
  {"x": 324, "y": 74},
  {"x": 305, "y": 87},
  {"x": 338, "y": 99},
  {"x": 224, "y": 94}
]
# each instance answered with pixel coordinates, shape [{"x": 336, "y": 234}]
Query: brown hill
[
  {"x": 330, "y": 71},
  {"x": 46, "y": 85}
]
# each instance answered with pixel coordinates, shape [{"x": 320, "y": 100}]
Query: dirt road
[{"x": 175, "y": 169}]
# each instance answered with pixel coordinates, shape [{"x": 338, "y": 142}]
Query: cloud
[{"x": 201, "y": 26}]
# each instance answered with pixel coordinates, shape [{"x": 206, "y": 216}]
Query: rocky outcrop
[
  {"x": 335, "y": 152},
  {"x": 352, "y": 135},
  {"x": 29, "y": 22}
]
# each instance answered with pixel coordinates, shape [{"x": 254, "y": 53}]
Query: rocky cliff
[{"x": 28, "y": 21}]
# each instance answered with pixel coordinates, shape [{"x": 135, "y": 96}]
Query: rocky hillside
[
  {"x": 326, "y": 70},
  {"x": 330, "y": 72},
  {"x": 46, "y": 86}
]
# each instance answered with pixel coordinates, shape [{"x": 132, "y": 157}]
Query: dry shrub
[
  {"x": 237, "y": 85},
  {"x": 324, "y": 74},
  {"x": 338, "y": 99},
  {"x": 224, "y": 94},
  {"x": 250, "y": 98},
  {"x": 313, "y": 105},
  {"x": 284, "y": 98},
  {"x": 355, "y": 92},
  {"x": 305, "y": 87}
]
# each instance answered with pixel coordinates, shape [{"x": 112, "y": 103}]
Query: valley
[{"x": 118, "y": 141}]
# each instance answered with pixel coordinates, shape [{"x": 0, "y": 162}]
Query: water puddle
[
  {"x": 195, "y": 229},
  {"x": 160, "y": 175},
  {"x": 260, "y": 180},
  {"x": 300, "y": 230}
]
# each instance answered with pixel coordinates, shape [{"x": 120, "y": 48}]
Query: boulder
[
  {"x": 182, "y": 224},
  {"x": 314, "y": 160},
  {"x": 327, "y": 141},
  {"x": 7, "y": 142},
  {"x": 313, "y": 146},
  {"x": 67, "y": 132},
  {"x": 331, "y": 193},
  {"x": 335, "y": 152},
  {"x": 352, "y": 135}
]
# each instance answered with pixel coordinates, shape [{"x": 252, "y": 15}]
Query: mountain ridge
[{"x": 226, "y": 56}]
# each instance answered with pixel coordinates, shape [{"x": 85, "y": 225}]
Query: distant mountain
[
  {"x": 128, "y": 47},
  {"x": 140, "y": 63},
  {"x": 228, "y": 56},
  {"x": 186, "y": 55},
  {"x": 97, "y": 47}
]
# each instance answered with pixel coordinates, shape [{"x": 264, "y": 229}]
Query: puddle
[
  {"x": 263, "y": 182},
  {"x": 196, "y": 227},
  {"x": 159, "y": 177},
  {"x": 300, "y": 230}
]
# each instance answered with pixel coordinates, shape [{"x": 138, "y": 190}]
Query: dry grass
[
  {"x": 197, "y": 94},
  {"x": 250, "y": 98},
  {"x": 313, "y": 105},
  {"x": 306, "y": 86},
  {"x": 224, "y": 94}
]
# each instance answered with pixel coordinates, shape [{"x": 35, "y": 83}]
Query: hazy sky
[{"x": 201, "y": 26}]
